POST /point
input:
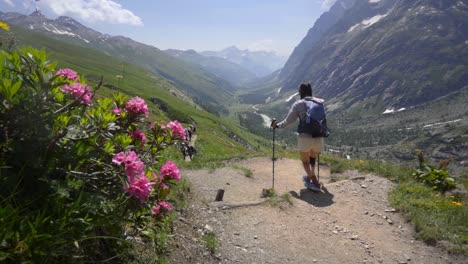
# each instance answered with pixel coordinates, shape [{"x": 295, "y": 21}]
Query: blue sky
[{"x": 277, "y": 25}]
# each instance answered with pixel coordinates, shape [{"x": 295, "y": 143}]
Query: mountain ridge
[
  {"x": 373, "y": 51},
  {"x": 223, "y": 68},
  {"x": 208, "y": 90},
  {"x": 261, "y": 63}
]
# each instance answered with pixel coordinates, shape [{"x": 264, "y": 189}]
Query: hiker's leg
[
  {"x": 312, "y": 159},
  {"x": 306, "y": 164}
]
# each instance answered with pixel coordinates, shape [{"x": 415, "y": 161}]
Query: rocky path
[{"x": 353, "y": 223}]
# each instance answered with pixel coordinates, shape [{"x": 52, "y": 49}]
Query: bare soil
[{"x": 352, "y": 223}]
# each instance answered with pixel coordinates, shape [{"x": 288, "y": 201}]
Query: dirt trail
[{"x": 352, "y": 223}]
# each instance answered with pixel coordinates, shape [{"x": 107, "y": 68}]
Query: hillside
[
  {"x": 388, "y": 53},
  {"x": 217, "y": 138},
  {"x": 207, "y": 89}
]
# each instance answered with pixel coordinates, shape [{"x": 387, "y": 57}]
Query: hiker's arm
[{"x": 290, "y": 118}]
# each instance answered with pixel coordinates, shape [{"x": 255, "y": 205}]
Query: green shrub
[
  {"x": 435, "y": 177},
  {"x": 79, "y": 178}
]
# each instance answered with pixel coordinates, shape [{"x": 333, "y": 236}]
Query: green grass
[
  {"x": 211, "y": 242},
  {"x": 280, "y": 201},
  {"x": 387, "y": 170},
  {"x": 246, "y": 171},
  {"x": 436, "y": 217}
]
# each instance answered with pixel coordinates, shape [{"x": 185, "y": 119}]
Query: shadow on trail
[{"x": 315, "y": 199}]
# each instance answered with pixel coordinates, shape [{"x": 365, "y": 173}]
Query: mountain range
[
  {"x": 218, "y": 66},
  {"x": 261, "y": 63},
  {"x": 387, "y": 53},
  {"x": 208, "y": 90}
]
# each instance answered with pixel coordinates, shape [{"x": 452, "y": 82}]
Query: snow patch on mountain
[
  {"x": 391, "y": 110},
  {"x": 367, "y": 22},
  {"x": 291, "y": 97},
  {"x": 442, "y": 123},
  {"x": 53, "y": 29}
]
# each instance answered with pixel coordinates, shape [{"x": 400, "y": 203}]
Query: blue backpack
[{"x": 315, "y": 122}]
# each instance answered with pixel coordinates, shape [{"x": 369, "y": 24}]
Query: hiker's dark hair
[{"x": 305, "y": 89}]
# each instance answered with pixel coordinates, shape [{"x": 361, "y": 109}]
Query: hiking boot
[
  {"x": 307, "y": 183},
  {"x": 315, "y": 187}
]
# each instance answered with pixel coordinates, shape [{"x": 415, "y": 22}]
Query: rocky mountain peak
[
  {"x": 37, "y": 13},
  {"x": 67, "y": 20}
]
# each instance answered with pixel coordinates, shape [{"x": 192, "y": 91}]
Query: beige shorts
[{"x": 306, "y": 143}]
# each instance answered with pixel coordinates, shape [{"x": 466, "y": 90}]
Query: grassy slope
[{"x": 215, "y": 135}]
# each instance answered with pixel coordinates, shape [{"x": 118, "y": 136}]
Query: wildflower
[
  {"x": 457, "y": 203},
  {"x": 140, "y": 188},
  {"x": 119, "y": 158},
  {"x": 5, "y": 26},
  {"x": 361, "y": 162},
  {"x": 77, "y": 90},
  {"x": 137, "y": 105},
  {"x": 68, "y": 74},
  {"x": 156, "y": 210},
  {"x": 170, "y": 170},
  {"x": 133, "y": 164},
  {"x": 137, "y": 134},
  {"x": 166, "y": 206},
  {"x": 177, "y": 129},
  {"x": 117, "y": 111}
]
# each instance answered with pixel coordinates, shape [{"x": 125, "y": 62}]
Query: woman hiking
[{"x": 309, "y": 146}]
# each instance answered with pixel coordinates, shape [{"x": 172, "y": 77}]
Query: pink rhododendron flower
[
  {"x": 133, "y": 164},
  {"x": 166, "y": 206},
  {"x": 77, "y": 90},
  {"x": 68, "y": 74},
  {"x": 156, "y": 210},
  {"x": 117, "y": 111},
  {"x": 177, "y": 129},
  {"x": 137, "y": 105},
  {"x": 119, "y": 158},
  {"x": 170, "y": 170},
  {"x": 137, "y": 134},
  {"x": 140, "y": 188}
]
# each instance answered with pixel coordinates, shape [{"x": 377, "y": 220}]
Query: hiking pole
[
  {"x": 318, "y": 168},
  {"x": 273, "y": 122}
]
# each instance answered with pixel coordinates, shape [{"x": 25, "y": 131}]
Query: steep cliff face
[
  {"x": 321, "y": 26},
  {"x": 386, "y": 53}
]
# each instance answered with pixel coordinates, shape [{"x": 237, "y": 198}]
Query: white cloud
[
  {"x": 93, "y": 10},
  {"x": 9, "y": 2},
  {"x": 326, "y": 4}
]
